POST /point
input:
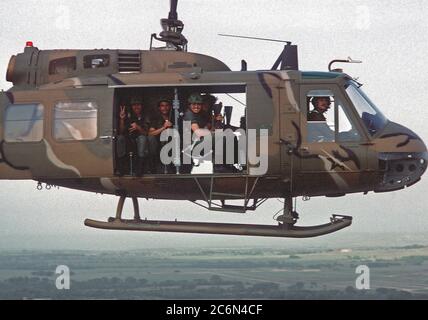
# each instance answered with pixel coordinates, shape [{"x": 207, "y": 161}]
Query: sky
[{"x": 390, "y": 37}]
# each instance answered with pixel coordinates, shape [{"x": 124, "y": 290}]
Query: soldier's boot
[{"x": 139, "y": 166}]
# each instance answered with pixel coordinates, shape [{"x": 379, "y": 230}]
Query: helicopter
[{"x": 60, "y": 124}]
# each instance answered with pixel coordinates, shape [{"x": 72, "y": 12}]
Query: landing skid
[
  {"x": 337, "y": 223},
  {"x": 285, "y": 230}
]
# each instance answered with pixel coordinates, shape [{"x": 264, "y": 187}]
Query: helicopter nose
[
  {"x": 401, "y": 170},
  {"x": 405, "y": 159}
]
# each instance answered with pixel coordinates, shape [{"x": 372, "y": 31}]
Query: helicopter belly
[{"x": 179, "y": 188}]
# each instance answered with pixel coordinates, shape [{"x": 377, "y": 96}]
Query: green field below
[{"x": 221, "y": 273}]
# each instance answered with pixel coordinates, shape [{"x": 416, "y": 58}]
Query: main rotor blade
[{"x": 253, "y": 38}]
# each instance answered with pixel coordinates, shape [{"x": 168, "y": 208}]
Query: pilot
[
  {"x": 158, "y": 123},
  {"x": 319, "y": 130},
  {"x": 321, "y": 106},
  {"x": 134, "y": 127}
]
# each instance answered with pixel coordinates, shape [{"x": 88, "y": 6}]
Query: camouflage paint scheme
[{"x": 275, "y": 101}]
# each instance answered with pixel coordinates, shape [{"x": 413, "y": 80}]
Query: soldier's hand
[
  {"x": 122, "y": 113},
  {"x": 167, "y": 124},
  {"x": 133, "y": 127},
  {"x": 219, "y": 117}
]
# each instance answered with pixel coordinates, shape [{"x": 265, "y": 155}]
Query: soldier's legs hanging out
[
  {"x": 124, "y": 155},
  {"x": 154, "y": 154},
  {"x": 141, "y": 164},
  {"x": 121, "y": 155}
]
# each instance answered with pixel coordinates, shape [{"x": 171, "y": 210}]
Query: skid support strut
[{"x": 119, "y": 210}]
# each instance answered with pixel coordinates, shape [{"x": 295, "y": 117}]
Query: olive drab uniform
[
  {"x": 134, "y": 144},
  {"x": 315, "y": 115},
  {"x": 157, "y": 121}
]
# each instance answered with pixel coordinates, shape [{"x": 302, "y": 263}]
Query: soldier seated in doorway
[
  {"x": 133, "y": 135},
  {"x": 213, "y": 119},
  {"x": 201, "y": 126},
  {"x": 157, "y": 123}
]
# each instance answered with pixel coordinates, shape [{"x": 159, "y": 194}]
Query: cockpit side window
[
  {"x": 320, "y": 117},
  {"x": 329, "y": 118},
  {"x": 346, "y": 130}
]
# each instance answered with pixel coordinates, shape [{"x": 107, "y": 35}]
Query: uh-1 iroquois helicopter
[{"x": 59, "y": 125}]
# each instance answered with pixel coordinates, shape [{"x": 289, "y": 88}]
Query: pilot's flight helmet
[
  {"x": 315, "y": 100},
  {"x": 195, "y": 98}
]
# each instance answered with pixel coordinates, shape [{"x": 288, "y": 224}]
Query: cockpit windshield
[{"x": 371, "y": 116}]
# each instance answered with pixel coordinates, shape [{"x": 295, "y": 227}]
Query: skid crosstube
[{"x": 337, "y": 223}]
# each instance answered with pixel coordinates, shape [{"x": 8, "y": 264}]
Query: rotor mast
[
  {"x": 173, "y": 10},
  {"x": 171, "y": 33}
]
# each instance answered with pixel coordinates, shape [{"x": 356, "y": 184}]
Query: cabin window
[
  {"x": 328, "y": 118},
  {"x": 62, "y": 65},
  {"x": 24, "y": 123},
  {"x": 75, "y": 121},
  {"x": 96, "y": 61}
]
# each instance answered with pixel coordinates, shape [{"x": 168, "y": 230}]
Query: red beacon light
[{"x": 29, "y": 44}]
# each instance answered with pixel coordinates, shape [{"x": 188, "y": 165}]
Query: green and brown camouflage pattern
[{"x": 275, "y": 102}]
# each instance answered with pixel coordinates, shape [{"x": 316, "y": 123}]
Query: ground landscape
[{"x": 396, "y": 272}]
